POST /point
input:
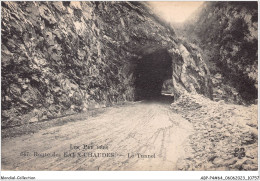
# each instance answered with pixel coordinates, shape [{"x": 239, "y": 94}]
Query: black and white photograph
[{"x": 129, "y": 86}]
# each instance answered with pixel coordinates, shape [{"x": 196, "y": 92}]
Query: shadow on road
[{"x": 162, "y": 99}]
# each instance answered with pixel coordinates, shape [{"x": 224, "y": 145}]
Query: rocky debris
[
  {"x": 223, "y": 138},
  {"x": 65, "y": 57}
]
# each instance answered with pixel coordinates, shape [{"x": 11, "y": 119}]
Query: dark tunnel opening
[{"x": 150, "y": 73}]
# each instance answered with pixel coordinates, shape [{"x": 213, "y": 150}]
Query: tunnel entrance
[{"x": 150, "y": 73}]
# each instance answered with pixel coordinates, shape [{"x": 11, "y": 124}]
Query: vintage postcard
[{"x": 129, "y": 86}]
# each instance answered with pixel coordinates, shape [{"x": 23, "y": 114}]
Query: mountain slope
[{"x": 227, "y": 34}]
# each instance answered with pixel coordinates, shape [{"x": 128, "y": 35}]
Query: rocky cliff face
[
  {"x": 227, "y": 34},
  {"x": 59, "y": 58}
]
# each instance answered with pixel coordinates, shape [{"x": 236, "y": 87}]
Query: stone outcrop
[
  {"x": 59, "y": 58},
  {"x": 226, "y": 32}
]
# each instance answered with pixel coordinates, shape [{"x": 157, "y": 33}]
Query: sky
[{"x": 175, "y": 11}]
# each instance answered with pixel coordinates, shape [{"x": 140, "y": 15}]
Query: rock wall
[
  {"x": 227, "y": 34},
  {"x": 60, "y": 58}
]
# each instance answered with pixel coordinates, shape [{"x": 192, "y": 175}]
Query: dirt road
[
  {"x": 194, "y": 133},
  {"x": 139, "y": 136}
]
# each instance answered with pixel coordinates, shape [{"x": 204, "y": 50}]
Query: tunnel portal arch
[{"x": 150, "y": 72}]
